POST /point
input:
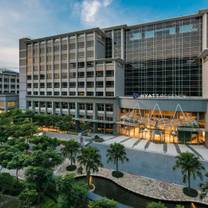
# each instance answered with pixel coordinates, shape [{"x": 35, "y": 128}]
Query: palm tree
[
  {"x": 71, "y": 151},
  {"x": 91, "y": 160},
  {"x": 204, "y": 188},
  {"x": 190, "y": 166},
  {"x": 116, "y": 153}
]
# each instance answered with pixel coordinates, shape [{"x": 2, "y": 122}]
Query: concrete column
[
  {"x": 122, "y": 43},
  {"x": 206, "y": 127},
  {"x": 23, "y": 73},
  {"x": 204, "y": 31}
]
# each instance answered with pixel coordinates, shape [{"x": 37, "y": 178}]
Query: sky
[{"x": 40, "y": 18}]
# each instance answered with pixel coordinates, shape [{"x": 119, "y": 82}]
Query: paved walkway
[
  {"x": 144, "y": 186},
  {"x": 171, "y": 149},
  {"x": 144, "y": 145}
]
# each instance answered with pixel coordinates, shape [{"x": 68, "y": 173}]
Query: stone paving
[
  {"x": 144, "y": 145},
  {"x": 144, "y": 186}
]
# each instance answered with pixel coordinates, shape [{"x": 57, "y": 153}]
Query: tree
[
  {"x": 9, "y": 184},
  {"x": 41, "y": 178},
  {"x": 28, "y": 197},
  {"x": 91, "y": 160},
  {"x": 204, "y": 188},
  {"x": 190, "y": 166},
  {"x": 71, "y": 150},
  {"x": 71, "y": 193},
  {"x": 43, "y": 142},
  {"x": 17, "y": 162},
  {"x": 103, "y": 203},
  {"x": 156, "y": 205},
  {"x": 116, "y": 153},
  {"x": 46, "y": 159}
]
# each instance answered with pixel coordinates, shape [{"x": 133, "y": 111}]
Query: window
[
  {"x": 64, "y": 105},
  {"x": 72, "y": 65},
  {"x": 72, "y": 93},
  {"x": 72, "y": 74},
  {"x": 49, "y": 85},
  {"x": 72, "y": 84},
  {"x": 64, "y": 93},
  {"x": 135, "y": 36},
  {"x": 35, "y": 85},
  {"x": 90, "y": 84},
  {"x": 109, "y": 107},
  {"x": 99, "y": 84},
  {"x": 99, "y": 93},
  {"x": 42, "y": 76},
  {"x": 81, "y": 65},
  {"x": 64, "y": 84},
  {"x": 81, "y": 74},
  {"x": 35, "y": 77},
  {"x": 99, "y": 73},
  {"x": 81, "y": 93},
  {"x": 49, "y": 93},
  {"x": 49, "y": 76},
  {"x": 56, "y": 93},
  {"x": 71, "y": 105},
  {"x": 42, "y": 85},
  {"x": 110, "y": 94},
  {"x": 109, "y": 73},
  {"x": 149, "y": 34},
  {"x": 90, "y": 64},
  {"x": 49, "y": 104},
  {"x": 56, "y": 75},
  {"x": 89, "y": 106},
  {"x": 100, "y": 107},
  {"x": 81, "y": 106},
  {"x": 56, "y": 85},
  {"x": 57, "y": 105},
  {"x": 187, "y": 28},
  {"x": 81, "y": 84},
  {"x": 90, "y": 43},
  {"x": 90, "y": 74},
  {"x": 28, "y": 77},
  {"x": 28, "y": 85},
  {"x": 90, "y": 93},
  {"x": 109, "y": 83}
]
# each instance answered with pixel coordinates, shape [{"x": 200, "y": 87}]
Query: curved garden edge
[{"x": 150, "y": 188}]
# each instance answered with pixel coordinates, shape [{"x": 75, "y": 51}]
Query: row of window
[
  {"x": 72, "y": 106},
  {"x": 9, "y": 86},
  {"x": 63, "y": 75},
  {"x": 48, "y": 67},
  {"x": 63, "y": 47},
  {"x": 13, "y": 80},
  {"x": 71, "y": 93},
  {"x": 66, "y": 85}
]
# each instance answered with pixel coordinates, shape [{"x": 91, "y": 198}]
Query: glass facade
[
  {"x": 162, "y": 58},
  {"x": 113, "y": 44}
]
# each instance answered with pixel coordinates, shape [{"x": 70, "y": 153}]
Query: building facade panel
[{"x": 94, "y": 74}]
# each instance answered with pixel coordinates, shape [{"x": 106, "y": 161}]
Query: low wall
[{"x": 153, "y": 165}]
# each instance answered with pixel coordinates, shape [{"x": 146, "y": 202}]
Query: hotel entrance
[{"x": 163, "y": 126}]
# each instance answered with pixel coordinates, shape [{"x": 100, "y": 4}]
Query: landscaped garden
[{"x": 28, "y": 165}]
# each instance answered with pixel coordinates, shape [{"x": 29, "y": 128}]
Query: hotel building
[
  {"x": 146, "y": 81},
  {"x": 9, "y": 89}
]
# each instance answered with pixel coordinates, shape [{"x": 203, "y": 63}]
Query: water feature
[{"x": 109, "y": 189}]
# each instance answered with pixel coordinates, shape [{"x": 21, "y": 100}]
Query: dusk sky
[{"x": 37, "y": 18}]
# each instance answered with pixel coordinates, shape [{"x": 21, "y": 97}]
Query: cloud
[{"x": 92, "y": 12}]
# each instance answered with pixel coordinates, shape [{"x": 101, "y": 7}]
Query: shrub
[{"x": 103, "y": 203}]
